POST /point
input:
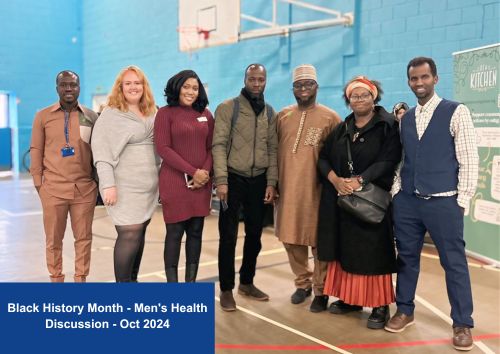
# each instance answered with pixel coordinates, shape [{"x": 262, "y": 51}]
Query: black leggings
[
  {"x": 194, "y": 229},
  {"x": 128, "y": 251}
]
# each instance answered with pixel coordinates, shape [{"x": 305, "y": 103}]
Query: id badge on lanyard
[{"x": 67, "y": 150}]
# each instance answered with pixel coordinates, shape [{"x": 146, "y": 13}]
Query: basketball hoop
[
  {"x": 207, "y": 23},
  {"x": 205, "y": 34},
  {"x": 193, "y": 38}
]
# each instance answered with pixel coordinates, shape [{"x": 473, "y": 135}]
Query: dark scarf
[{"x": 257, "y": 103}]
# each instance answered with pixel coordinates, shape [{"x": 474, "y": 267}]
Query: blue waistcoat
[{"x": 430, "y": 164}]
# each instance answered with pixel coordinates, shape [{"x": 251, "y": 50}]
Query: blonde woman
[{"x": 127, "y": 166}]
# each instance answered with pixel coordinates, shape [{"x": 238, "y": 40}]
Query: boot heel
[
  {"x": 191, "y": 272},
  {"x": 171, "y": 274},
  {"x": 379, "y": 317}
]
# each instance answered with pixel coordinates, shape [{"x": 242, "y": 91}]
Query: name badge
[
  {"x": 67, "y": 151},
  {"x": 202, "y": 119}
]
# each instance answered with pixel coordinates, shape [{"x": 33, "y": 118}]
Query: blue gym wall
[
  {"x": 38, "y": 39},
  {"x": 37, "y": 35},
  {"x": 152, "y": 44}
]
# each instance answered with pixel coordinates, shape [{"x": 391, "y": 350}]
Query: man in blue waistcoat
[{"x": 434, "y": 185}]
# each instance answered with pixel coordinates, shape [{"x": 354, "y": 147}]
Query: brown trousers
[
  {"x": 298, "y": 256},
  {"x": 55, "y": 216}
]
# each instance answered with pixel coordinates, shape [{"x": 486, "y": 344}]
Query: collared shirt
[
  {"x": 462, "y": 130},
  {"x": 60, "y": 176}
]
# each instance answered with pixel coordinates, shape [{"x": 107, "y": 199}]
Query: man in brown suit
[{"x": 61, "y": 166}]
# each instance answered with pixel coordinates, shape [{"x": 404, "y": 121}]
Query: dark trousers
[
  {"x": 248, "y": 192},
  {"x": 443, "y": 218}
]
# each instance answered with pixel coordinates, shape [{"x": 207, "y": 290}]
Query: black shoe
[
  {"x": 339, "y": 307},
  {"x": 299, "y": 296},
  {"x": 379, "y": 317},
  {"x": 319, "y": 303}
]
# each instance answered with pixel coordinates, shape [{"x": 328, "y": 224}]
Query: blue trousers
[{"x": 443, "y": 218}]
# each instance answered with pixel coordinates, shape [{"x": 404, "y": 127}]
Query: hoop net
[{"x": 193, "y": 38}]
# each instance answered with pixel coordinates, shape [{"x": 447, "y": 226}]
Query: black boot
[
  {"x": 171, "y": 274},
  {"x": 379, "y": 317},
  {"x": 339, "y": 307},
  {"x": 191, "y": 272},
  {"x": 319, "y": 303}
]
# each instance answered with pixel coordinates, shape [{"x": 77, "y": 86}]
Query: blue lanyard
[{"x": 66, "y": 123}]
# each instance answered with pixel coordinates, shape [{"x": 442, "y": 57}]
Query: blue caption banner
[{"x": 121, "y": 318}]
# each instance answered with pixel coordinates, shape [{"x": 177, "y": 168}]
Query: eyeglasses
[
  {"x": 305, "y": 85},
  {"x": 360, "y": 98}
]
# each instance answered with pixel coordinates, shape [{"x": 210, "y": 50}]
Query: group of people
[
  {"x": 301, "y": 159},
  {"x": 71, "y": 148}
]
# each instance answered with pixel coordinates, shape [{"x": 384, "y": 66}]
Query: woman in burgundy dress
[{"x": 183, "y": 138}]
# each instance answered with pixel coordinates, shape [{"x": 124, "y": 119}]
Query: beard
[{"x": 306, "y": 101}]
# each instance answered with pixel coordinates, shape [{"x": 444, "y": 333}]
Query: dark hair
[
  {"x": 256, "y": 65},
  {"x": 374, "y": 82},
  {"x": 421, "y": 61},
  {"x": 173, "y": 89},
  {"x": 399, "y": 106},
  {"x": 67, "y": 72}
]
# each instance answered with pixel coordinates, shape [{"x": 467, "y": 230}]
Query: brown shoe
[
  {"x": 252, "y": 291},
  {"x": 399, "y": 322},
  {"x": 227, "y": 302},
  {"x": 462, "y": 338}
]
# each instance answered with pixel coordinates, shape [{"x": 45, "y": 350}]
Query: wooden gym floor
[{"x": 275, "y": 326}]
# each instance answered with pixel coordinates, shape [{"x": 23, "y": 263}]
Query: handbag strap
[{"x": 350, "y": 164}]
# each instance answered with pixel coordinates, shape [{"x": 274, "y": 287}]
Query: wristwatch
[{"x": 361, "y": 180}]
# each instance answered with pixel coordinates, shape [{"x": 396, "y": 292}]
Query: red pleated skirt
[{"x": 358, "y": 289}]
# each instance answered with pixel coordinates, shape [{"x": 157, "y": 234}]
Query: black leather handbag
[{"x": 370, "y": 203}]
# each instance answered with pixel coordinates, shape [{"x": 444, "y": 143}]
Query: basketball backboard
[{"x": 207, "y": 23}]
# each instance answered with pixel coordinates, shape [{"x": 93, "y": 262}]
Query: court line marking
[
  {"x": 103, "y": 248},
  {"x": 423, "y": 254},
  {"x": 433, "y": 309},
  {"x": 290, "y": 329},
  {"x": 254, "y": 314},
  {"x": 25, "y": 213},
  {"x": 161, "y": 273},
  {"x": 374, "y": 345},
  {"x": 448, "y": 320},
  {"x": 481, "y": 346},
  {"x": 484, "y": 348},
  {"x": 249, "y": 347},
  {"x": 472, "y": 265},
  {"x": 425, "y": 303}
]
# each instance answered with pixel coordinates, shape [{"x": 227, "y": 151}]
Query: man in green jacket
[{"x": 244, "y": 151}]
